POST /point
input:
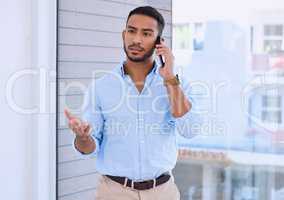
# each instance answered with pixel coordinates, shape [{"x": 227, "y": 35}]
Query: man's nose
[{"x": 137, "y": 38}]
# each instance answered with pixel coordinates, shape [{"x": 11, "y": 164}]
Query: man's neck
[{"x": 138, "y": 70}]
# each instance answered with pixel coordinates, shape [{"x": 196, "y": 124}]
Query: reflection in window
[
  {"x": 271, "y": 116},
  {"x": 198, "y": 37},
  {"x": 189, "y": 35},
  {"x": 272, "y": 46},
  {"x": 182, "y": 31},
  {"x": 273, "y": 30},
  {"x": 271, "y": 109},
  {"x": 235, "y": 60},
  {"x": 272, "y": 38},
  {"x": 271, "y": 101}
]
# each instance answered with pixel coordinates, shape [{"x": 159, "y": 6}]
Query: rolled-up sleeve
[
  {"x": 92, "y": 114},
  {"x": 190, "y": 124}
]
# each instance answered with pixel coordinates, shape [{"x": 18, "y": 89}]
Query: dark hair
[{"x": 150, "y": 12}]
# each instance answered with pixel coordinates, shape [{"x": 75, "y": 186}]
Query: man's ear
[{"x": 123, "y": 34}]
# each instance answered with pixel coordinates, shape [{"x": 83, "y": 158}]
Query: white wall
[
  {"x": 23, "y": 144},
  {"x": 15, "y": 52}
]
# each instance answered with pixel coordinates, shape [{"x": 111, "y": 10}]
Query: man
[{"x": 130, "y": 116}]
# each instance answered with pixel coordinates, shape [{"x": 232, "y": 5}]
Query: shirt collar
[{"x": 122, "y": 72}]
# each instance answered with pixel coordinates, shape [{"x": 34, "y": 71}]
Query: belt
[{"x": 143, "y": 185}]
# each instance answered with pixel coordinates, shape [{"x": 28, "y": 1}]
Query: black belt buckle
[{"x": 145, "y": 185}]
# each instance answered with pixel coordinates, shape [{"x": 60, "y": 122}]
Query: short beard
[{"x": 141, "y": 59}]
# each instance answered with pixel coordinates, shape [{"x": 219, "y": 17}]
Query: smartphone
[{"x": 158, "y": 41}]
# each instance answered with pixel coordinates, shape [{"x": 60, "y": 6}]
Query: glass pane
[
  {"x": 182, "y": 32},
  {"x": 198, "y": 36},
  {"x": 271, "y": 116},
  {"x": 272, "y": 46},
  {"x": 234, "y": 61},
  {"x": 271, "y": 101},
  {"x": 273, "y": 30}
]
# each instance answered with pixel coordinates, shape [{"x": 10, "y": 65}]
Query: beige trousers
[{"x": 108, "y": 189}]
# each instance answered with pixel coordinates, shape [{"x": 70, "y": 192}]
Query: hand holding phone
[{"x": 158, "y": 41}]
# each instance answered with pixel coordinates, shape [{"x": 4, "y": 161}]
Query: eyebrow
[{"x": 144, "y": 29}]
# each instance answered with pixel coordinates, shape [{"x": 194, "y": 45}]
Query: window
[
  {"x": 271, "y": 111},
  {"x": 269, "y": 101},
  {"x": 273, "y": 38},
  {"x": 198, "y": 38},
  {"x": 272, "y": 46},
  {"x": 271, "y": 116},
  {"x": 233, "y": 50},
  {"x": 273, "y": 30},
  {"x": 183, "y": 32},
  {"x": 189, "y": 35}
]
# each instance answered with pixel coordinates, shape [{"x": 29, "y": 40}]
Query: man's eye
[
  {"x": 130, "y": 31},
  {"x": 147, "y": 34}
]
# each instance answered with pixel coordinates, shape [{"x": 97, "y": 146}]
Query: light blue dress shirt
[{"x": 135, "y": 133}]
